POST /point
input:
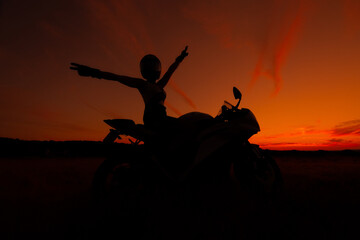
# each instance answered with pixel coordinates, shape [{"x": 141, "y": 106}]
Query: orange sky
[{"x": 296, "y": 63}]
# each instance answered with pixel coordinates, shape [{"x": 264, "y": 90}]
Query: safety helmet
[{"x": 150, "y": 67}]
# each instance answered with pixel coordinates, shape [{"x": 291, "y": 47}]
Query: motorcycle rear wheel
[{"x": 118, "y": 194}]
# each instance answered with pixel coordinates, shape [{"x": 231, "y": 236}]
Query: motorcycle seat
[{"x": 120, "y": 124}]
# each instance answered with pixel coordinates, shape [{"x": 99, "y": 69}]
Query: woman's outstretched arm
[
  {"x": 165, "y": 79},
  {"x": 86, "y": 71}
]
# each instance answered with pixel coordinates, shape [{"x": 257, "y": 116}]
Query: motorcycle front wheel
[{"x": 257, "y": 171}]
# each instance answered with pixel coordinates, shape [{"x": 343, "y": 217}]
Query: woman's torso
[
  {"x": 152, "y": 94},
  {"x": 154, "y": 98}
]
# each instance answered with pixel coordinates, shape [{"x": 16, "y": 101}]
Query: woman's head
[{"x": 150, "y": 67}]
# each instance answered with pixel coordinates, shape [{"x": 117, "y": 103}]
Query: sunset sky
[{"x": 296, "y": 62}]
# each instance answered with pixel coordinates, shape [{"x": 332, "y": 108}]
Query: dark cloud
[
  {"x": 340, "y": 143},
  {"x": 347, "y": 128},
  {"x": 337, "y": 140},
  {"x": 278, "y": 144},
  {"x": 342, "y": 129}
]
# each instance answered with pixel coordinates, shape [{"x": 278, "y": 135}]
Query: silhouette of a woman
[{"x": 151, "y": 90}]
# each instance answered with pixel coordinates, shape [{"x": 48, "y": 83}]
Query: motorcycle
[{"x": 195, "y": 152}]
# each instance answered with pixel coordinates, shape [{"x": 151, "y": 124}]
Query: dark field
[{"x": 49, "y": 197}]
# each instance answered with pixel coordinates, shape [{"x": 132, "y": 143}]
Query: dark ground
[{"x": 47, "y": 195}]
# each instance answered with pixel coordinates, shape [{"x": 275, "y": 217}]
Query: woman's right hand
[
  {"x": 85, "y": 71},
  {"x": 183, "y": 54}
]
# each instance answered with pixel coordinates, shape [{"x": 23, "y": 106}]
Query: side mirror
[{"x": 237, "y": 95}]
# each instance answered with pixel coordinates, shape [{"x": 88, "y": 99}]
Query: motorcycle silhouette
[{"x": 198, "y": 150}]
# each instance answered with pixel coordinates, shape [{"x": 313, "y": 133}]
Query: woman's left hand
[{"x": 183, "y": 54}]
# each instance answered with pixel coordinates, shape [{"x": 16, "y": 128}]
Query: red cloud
[
  {"x": 177, "y": 89},
  {"x": 352, "y": 16},
  {"x": 172, "y": 108},
  {"x": 343, "y": 136},
  {"x": 281, "y": 51},
  {"x": 271, "y": 27}
]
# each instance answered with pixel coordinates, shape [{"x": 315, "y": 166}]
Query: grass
[{"x": 49, "y": 198}]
